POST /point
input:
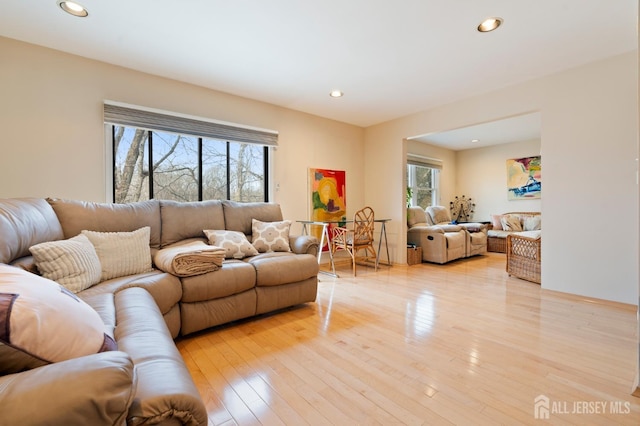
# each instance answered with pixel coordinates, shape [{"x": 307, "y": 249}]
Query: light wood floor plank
[{"x": 460, "y": 343}]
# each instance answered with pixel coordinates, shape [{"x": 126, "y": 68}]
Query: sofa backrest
[
  {"x": 439, "y": 214},
  {"x": 23, "y": 223},
  {"x": 238, "y": 216},
  {"x": 416, "y": 216},
  {"x": 76, "y": 216},
  {"x": 182, "y": 220}
]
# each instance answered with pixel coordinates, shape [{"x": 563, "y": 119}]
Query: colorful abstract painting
[
  {"x": 524, "y": 178},
  {"x": 328, "y": 197}
]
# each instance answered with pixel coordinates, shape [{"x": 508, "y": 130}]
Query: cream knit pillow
[
  {"x": 72, "y": 263},
  {"x": 122, "y": 253}
]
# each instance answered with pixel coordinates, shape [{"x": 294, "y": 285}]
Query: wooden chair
[{"x": 358, "y": 238}]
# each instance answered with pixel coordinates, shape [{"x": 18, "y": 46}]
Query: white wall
[
  {"x": 53, "y": 145},
  {"x": 481, "y": 175},
  {"x": 53, "y": 134},
  {"x": 589, "y": 148}
]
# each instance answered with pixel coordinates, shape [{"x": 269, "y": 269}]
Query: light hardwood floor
[{"x": 460, "y": 343}]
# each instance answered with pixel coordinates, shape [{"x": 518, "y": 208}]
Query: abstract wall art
[
  {"x": 328, "y": 196},
  {"x": 524, "y": 178}
]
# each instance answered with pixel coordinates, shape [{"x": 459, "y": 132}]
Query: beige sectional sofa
[
  {"x": 145, "y": 380},
  {"x": 441, "y": 240}
]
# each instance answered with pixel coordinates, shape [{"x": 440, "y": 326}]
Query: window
[
  {"x": 178, "y": 165},
  {"x": 423, "y": 178}
]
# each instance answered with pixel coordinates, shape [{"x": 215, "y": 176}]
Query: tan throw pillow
[
  {"x": 270, "y": 236},
  {"x": 532, "y": 223},
  {"x": 511, "y": 223},
  {"x": 72, "y": 263},
  {"x": 43, "y": 323},
  {"x": 122, "y": 253},
  {"x": 234, "y": 243}
]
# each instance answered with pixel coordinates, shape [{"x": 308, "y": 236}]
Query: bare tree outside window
[
  {"x": 423, "y": 182},
  {"x": 229, "y": 170}
]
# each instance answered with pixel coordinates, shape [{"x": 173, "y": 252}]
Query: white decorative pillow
[
  {"x": 511, "y": 223},
  {"x": 72, "y": 263},
  {"x": 532, "y": 223},
  {"x": 234, "y": 243},
  {"x": 43, "y": 323},
  {"x": 270, "y": 236},
  {"x": 122, "y": 253}
]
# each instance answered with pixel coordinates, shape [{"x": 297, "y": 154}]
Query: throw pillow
[
  {"x": 72, "y": 263},
  {"x": 532, "y": 223},
  {"x": 496, "y": 222},
  {"x": 270, "y": 236},
  {"x": 122, "y": 253},
  {"x": 43, "y": 322},
  {"x": 234, "y": 243},
  {"x": 511, "y": 223}
]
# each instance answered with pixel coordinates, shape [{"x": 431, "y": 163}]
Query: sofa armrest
[
  {"x": 95, "y": 389},
  {"x": 304, "y": 244},
  {"x": 427, "y": 229}
]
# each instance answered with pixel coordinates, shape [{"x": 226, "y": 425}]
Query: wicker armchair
[
  {"x": 358, "y": 238},
  {"x": 523, "y": 257}
]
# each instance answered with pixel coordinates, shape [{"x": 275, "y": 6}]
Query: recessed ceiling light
[
  {"x": 336, "y": 94},
  {"x": 475, "y": 140},
  {"x": 489, "y": 24},
  {"x": 73, "y": 8}
]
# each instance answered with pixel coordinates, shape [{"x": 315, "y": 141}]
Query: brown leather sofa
[{"x": 145, "y": 381}]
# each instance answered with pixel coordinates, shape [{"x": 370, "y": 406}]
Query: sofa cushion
[
  {"x": 122, "y": 253},
  {"x": 72, "y": 263},
  {"x": 234, "y": 243},
  {"x": 273, "y": 269},
  {"x": 76, "y": 216},
  {"x": 416, "y": 216},
  {"x": 23, "y": 223},
  {"x": 234, "y": 277},
  {"x": 166, "y": 289},
  {"x": 439, "y": 214},
  {"x": 181, "y": 221},
  {"x": 238, "y": 216},
  {"x": 42, "y": 323},
  {"x": 271, "y": 236}
]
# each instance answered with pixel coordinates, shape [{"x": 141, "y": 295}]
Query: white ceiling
[
  {"x": 520, "y": 128},
  {"x": 390, "y": 58}
]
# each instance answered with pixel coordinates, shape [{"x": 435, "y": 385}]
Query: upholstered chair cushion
[
  {"x": 416, "y": 216},
  {"x": 439, "y": 214}
]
